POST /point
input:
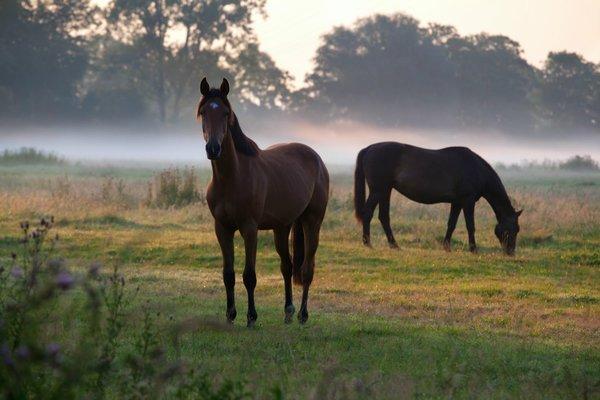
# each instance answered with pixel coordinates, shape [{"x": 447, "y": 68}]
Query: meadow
[{"x": 416, "y": 322}]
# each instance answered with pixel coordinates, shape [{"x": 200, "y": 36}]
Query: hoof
[
  {"x": 289, "y": 313},
  {"x": 367, "y": 241},
  {"x": 393, "y": 245},
  {"x": 303, "y": 316},
  {"x": 252, "y": 317},
  {"x": 473, "y": 249},
  {"x": 447, "y": 246},
  {"x": 231, "y": 314}
]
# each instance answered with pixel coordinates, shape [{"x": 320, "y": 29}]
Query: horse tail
[
  {"x": 297, "y": 252},
  {"x": 359, "y": 186}
]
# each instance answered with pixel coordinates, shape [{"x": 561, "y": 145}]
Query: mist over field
[{"x": 337, "y": 144}]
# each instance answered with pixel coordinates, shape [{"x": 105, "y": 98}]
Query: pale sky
[{"x": 291, "y": 33}]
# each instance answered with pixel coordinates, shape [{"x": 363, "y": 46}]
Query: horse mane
[
  {"x": 242, "y": 143},
  {"x": 495, "y": 187}
]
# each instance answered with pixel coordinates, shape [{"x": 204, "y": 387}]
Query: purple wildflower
[
  {"x": 64, "y": 280},
  {"x": 6, "y": 356},
  {"x": 17, "y": 272},
  {"x": 53, "y": 349},
  {"x": 22, "y": 352}
]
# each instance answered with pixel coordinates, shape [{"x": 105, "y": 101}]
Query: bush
[
  {"x": 29, "y": 156},
  {"x": 174, "y": 188},
  {"x": 580, "y": 163},
  {"x": 114, "y": 191},
  {"x": 62, "y": 334}
]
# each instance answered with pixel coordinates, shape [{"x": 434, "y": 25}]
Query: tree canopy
[
  {"x": 389, "y": 70},
  {"x": 69, "y": 60}
]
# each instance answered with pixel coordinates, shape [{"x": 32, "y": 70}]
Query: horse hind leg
[
  {"x": 311, "y": 226},
  {"x": 384, "y": 218},
  {"x": 369, "y": 209},
  {"x": 282, "y": 247}
]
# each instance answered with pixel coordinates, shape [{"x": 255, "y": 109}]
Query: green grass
[{"x": 411, "y": 323}]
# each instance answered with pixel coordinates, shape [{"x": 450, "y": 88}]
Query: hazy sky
[{"x": 292, "y": 31}]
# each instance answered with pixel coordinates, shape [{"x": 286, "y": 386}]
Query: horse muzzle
[
  {"x": 213, "y": 150},
  {"x": 509, "y": 250}
]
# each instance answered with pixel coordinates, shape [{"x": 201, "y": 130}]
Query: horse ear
[
  {"x": 224, "y": 87},
  {"x": 519, "y": 213},
  {"x": 204, "y": 87}
]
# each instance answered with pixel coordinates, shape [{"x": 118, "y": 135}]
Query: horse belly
[
  {"x": 425, "y": 194},
  {"x": 287, "y": 198},
  {"x": 282, "y": 209}
]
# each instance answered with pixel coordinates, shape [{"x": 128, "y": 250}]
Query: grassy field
[{"x": 410, "y": 323}]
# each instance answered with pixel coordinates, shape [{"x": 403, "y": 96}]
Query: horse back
[{"x": 425, "y": 175}]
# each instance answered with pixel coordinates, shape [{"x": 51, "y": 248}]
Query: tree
[
  {"x": 181, "y": 41},
  {"x": 41, "y": 57},
  {"x": 259, "y": 81},
  {"x": 570, "y": 92},
  {"x": 493, "y": 82},
  {"x": 386, "y": 70},
  {"x": 389, "y": 71}
]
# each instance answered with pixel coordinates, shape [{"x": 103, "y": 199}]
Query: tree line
[{"x": 141, "y": 60}]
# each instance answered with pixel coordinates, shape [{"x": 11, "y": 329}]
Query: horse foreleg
[
  {"x": 311, "y": 226},
  {"x": 283, "y": 249},
  {"x": 225, "y": 237},
  {"x": 249, "y": 234},
  {"x": 469, "y": 211},
  {"x": 384, "y": 218},
  {"x": 452, "y": 219}
]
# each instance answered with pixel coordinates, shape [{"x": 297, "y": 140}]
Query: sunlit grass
[{"x": 416, "y": 320}]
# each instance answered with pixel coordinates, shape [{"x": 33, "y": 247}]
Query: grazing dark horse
[
  {"x": 284, "y": 188},
  {"x": 454, "y": 175}
]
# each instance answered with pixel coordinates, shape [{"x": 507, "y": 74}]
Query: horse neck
[
  {"x": 496, "y": 195},
  {"x": 225, "y": 168}
]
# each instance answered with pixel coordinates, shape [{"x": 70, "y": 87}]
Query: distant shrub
[
  {"x": 174, "y": 188},
  {"x": 62, "y": 334},
  {"x": 575, "y": 163},
  {"x": 580, "y": 163},
  {"x": 113, "y": 190},
  {"x": 29, "y": 156}
]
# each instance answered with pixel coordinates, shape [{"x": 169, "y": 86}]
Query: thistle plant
[{"x": 62, "y": 333}]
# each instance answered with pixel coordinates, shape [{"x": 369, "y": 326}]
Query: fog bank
[{"x": 337, "y": 144}]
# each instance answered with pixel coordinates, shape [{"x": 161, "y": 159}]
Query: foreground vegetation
[{"x": 410, "y": 323}]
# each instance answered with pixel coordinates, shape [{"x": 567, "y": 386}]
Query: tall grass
[{"x": 174, "y": 187}]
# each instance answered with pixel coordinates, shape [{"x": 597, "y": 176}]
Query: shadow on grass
[{"x": 363, "y": 357}]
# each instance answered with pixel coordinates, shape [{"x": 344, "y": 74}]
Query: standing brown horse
[
  {"x": 454, "y": 175},
  {"x": 283, "y": 188}
]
